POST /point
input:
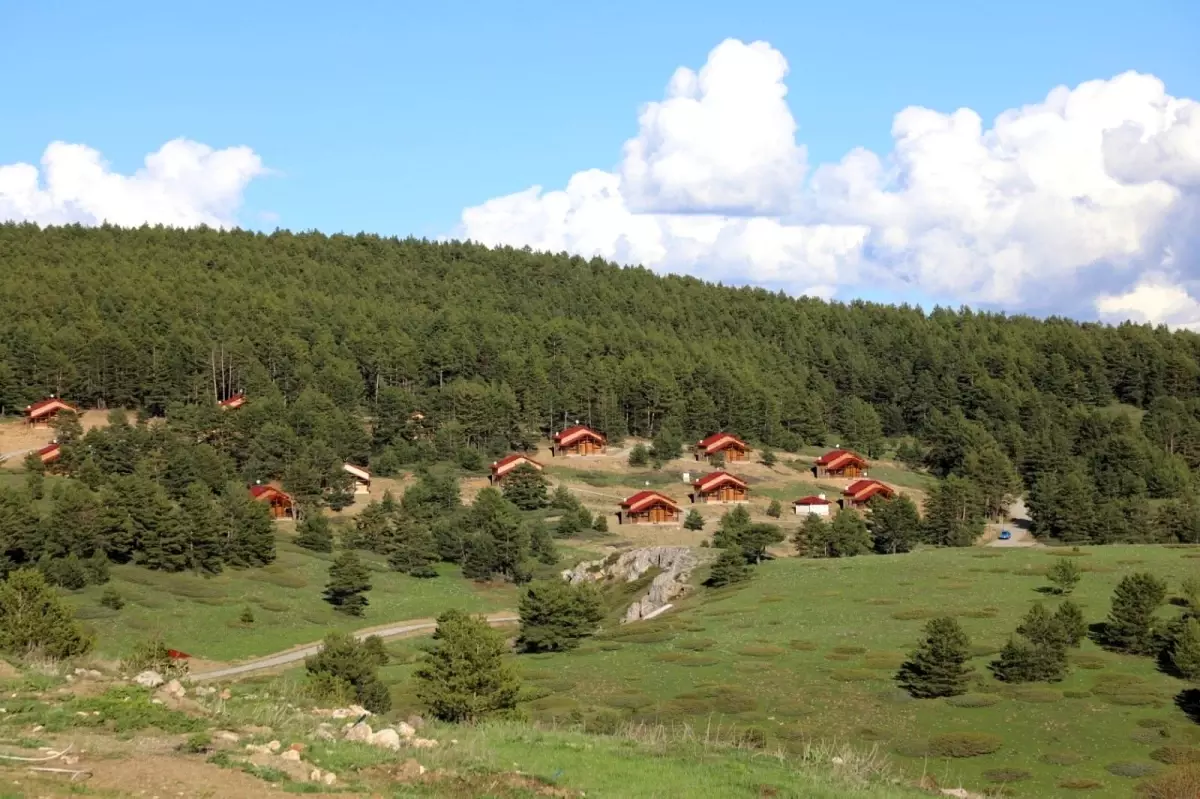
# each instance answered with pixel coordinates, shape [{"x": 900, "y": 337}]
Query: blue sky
[{"x": 394, "y": 117}]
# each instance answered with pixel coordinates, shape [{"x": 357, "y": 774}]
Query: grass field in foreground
[
  {"x": 199, "y": 615},
  {"x": 807, "y": 650}
]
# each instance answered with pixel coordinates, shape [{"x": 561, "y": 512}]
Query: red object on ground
[{"x": 175, "y": 654}]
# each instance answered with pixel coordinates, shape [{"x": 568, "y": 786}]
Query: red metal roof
[
  {"x": 644, "y": 499},
  {"x": 47, "y": 405},
  {"x": 864, "y": 489},
  {"x": 812, "y": 500},
  {"x": 835, "y": 457},
  {"x": 576, "y": 432},
  {"x": 50, "y": 452},
  {"x": 236, "y": 401},
  {"x": 510, "y": 462},
  {"x": 719, "y": 441},
  {"x": 260, "y": 491},
  {"x": 714, "y": 480}
]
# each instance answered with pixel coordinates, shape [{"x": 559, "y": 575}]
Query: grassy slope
[
  {"x": 199, "y": 615},
  {"x": 764, "y": 655}
]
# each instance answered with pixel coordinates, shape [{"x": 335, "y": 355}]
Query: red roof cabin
[
  {"x": 840, "y": 463},
  {"x": 40, "y": 413},
  {"x": 362, "y": 478},
  {"x": 233, "y": 403},
  {"x": 50, "y": 453},
  {"x": 279, "y": 501},
  {"x": 860, "y": 492},
  {"x": 506, "y": 465},
  {"x": 719, "y": 487},
  {"x": 814, "y": 505},
  {"x": 578, "y": 440},
  {"x": 649, "y": 507},
  {"x": 729, "y": 446}
]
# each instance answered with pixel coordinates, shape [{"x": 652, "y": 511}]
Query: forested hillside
[{"x": 498, "y": 347}]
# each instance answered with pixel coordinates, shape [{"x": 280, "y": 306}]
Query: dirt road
[
  {"x": 1018, "y": 525},
  {"x": 297, "y": 654}
]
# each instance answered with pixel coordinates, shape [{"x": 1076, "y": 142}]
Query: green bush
[
  {"x": 197, "y": 743},
  {"x": 1176, "y": 755},
  {"x": 34, "y": 617},
  {"x": 324, "y": 687},
  {"x": 973, "y": 700},
  {"x": 153, "y": 654},
  {"x": 346, "y": 659},
  {"x": 1062, "y": 758},
  {"x": 1080, "y": 784},
  {"x": 964, "y": 744},
  {"x": 802, "y": 646},
  {"x": 849, "y": 650},
  {"x": 1153, "y": 724},
  {"x": 1006, "y": 775},
  {"x": 1132, "y": 769},
  {"x": 111, "y": 598}
]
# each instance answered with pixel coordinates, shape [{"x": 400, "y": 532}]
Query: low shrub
[
  {"x": 608, "y": 646},
  {"x": 849, "y": 650},
  {"x": 1176, "y": 755},
  {"x": 983, "y": 613},
  {"x": 699, "y": 660},
  {"x": 1077, "y": 694},
  {"x": 1135, "y": 700},
  {"x": 964, "y": 744},
  {"x": 603, "y": 722},
  {"x": 1006, "y": 775},
  {"x": 1150, "y": 737},
  {"x": 1062, "y": 758},
  {"x": 914, "y": 614},
  {"x": 669, "y": 657},
  {"x": 648, "y": 638},
  {"x": 697, "y": 644},
  {"x": 761, "y": 651},
  {"x": 1178, "y": 783},
  {"x": 871, "y": 734},
  {"x": 973, "y": 700},
  {"x": 1153, "y": 724},
  {"x": 1080, "y": 784},
  {"x": 1109, "y": 684},
  {"x": 1132, "y": 769},
  {"x": 801, "y": 646},
  {"x": 629, "y": 701},
  {"x": 836, "y": 656}
]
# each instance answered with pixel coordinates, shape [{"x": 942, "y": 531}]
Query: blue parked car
[{"x": 1005, "y": 535}]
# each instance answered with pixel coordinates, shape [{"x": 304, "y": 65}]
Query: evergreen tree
[
  {"x": 667, "y": 444},
  {"x": 525, "y": 487},
  {"x": 202, "y": 528},
  {"x": 464, "y": 677},
  {"x": 812, "y": 539},
  {"x": 414, "y": 550},
  {"x": 35, "y": 483},
  {"x": 314, "y": 532},
  {"x": 639, "y": 456},
  {"x": 1130, "y": 626},
  {"x": 775, "y": 509},
  {"x": 349, "y": 580},
  {"x": 34, "y": 618},
  {"x": 563, "y": 499},
  {"x": 860, "y": 425},
  {"x": 1185, "y": 653},
  {"x": 693, "y": 520},
  {"x": 894, "y": 524},
  {"x": 247, "y": 532},
  {"x": 769, "y": 458},
  {"x": 479, "y": 557},
  {"x": 737, "y": 531},
  {"x": 556, "y": 615},
  {"x": 353, "y": 662},
  {"x": 938, "y": 666},
  {"x": 1038, "y": 651},
  {"x": 990, "y": 470},
  {"x": 730, "y": 567},
  {"x": 372, "y": 528},
  {"x": 1021, "y": 661},
  {"x": 496, "y": 532},
  {"x": 541, "y": 543},
  {"x": 1064, "y": 574},
  {"x": 162, "y": 533},
  {"x": 600, "y": 523},
  {"x": 1070, "y": 618},
  {"x": 846, "y": 536},
  {"x": 733, "y": 524},
  {"x": 953, "y": 513}
]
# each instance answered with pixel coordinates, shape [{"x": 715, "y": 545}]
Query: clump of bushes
[
  {"x": 154, "y": 655},
  {"x": 973, "y": 700},
  {"x": 1176, "y": 755},
  {"x": 964, "y": 744},
  {"x": 1132, "y": 769},
  {"x": 1062, "y": 758},
  {"x": 1080, "y": 784},
  {"x": 1006, "y": 775},
  {"x": 1175, "y": 784}
]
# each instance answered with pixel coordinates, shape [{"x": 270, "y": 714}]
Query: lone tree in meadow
[
  {"x": 314, "y": 532},
  {"x": 693, "y": 520},
  {"x": 349, "y": 580},
  {"x": 1130, "y": 625},
  {"x": 938, "y": 666},
  {"x": 769, "y": 458},
  {"x": 1038, "y": 651},
  {"x": 343, "y": 659},
  {"x": 1065, "y": 575},
  {"x": 556, "y": 615},
  {"x": 1185, "y": 652},
  {"x": 729, "y": 568},
  {"x": 525, "y": 487},
  {"x": 1070, "y": 618},
  {"x": 464, "y": 678},
  {"x": 775, "y": 509},
  {"x": 639, "y": 456}
]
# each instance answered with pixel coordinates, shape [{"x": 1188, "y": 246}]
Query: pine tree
[
  {"x": 1038, "y": 651},
  {"x": 162, "y": 533},
  {"x": 314, "y": 532},
  {"x": 353, "y": 662},
  {"x": 639, "y": 456},
  {"x": 1020, "y": 661},
  {"x": 769, "y": 458},
  {"x": 202, "y": 527},
  {"x": 1130, "y": 625},
  {"x": 557, "y": 615},
  {"x": 600, "y": 523},
  {"x": 1185, "y": 654},
  {"x": 414, "y": 550},
  {"x": 693, "y": 520},
  {"x": 729, "y": 568},
  {"x": 847, "y": 535},
  {"x": 464, "y": 678},
  {"x": 938, "y": 666},
  {"x": 1064, "y": 574},
  {"x": 775, "y": 509},
  {"x": 349, "y": 580},
  {"x": 1070, "y": 618},
  {"x": 541, "y": 543},
  {"x": 34, "y": 617},
  {"x": 954, "y": 515},
  {"x": 525, "y": 487},
  {"x": 247, "y": 615},
  {"x": 812, "y": 538},
  {"x": 563, "y": 499},
  {"x": 895, "y": 525},
  {"x": 247, "y": 532}
]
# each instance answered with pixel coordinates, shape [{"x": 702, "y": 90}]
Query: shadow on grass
[{"x": 1188, "y": 700}]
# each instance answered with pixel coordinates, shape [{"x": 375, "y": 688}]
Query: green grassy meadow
[
  {"x": 806, "y": 652},
  {"x": 200, "y": 615}
]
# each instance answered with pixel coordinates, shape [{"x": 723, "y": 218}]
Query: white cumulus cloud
[
  {"x": 182, "y": 184},
  {"x": 1053, "y": 206}
]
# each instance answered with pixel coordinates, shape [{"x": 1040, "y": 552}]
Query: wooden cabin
[
  {"x": 50, "y": 453},
  {"x": 649, "y": 507},
  {"x": 362, "y": 478},
  {"x": 730, "y": 446},
  {"x": 232, "y": 403},
  {"x": 578, "y": 440},
  {"x": 719, "y": 487},
  {"x": 813, "y": 505},
  {"x": 860, "y": 492},
  {"x": 40, "y": 413},
  {"x": 507, "y": 464},
  {"x": 279, "y": 501},
  {"x": 840, "y": 463}
]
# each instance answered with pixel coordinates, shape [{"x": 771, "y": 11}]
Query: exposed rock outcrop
[{"x": 676, "y": 565}]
